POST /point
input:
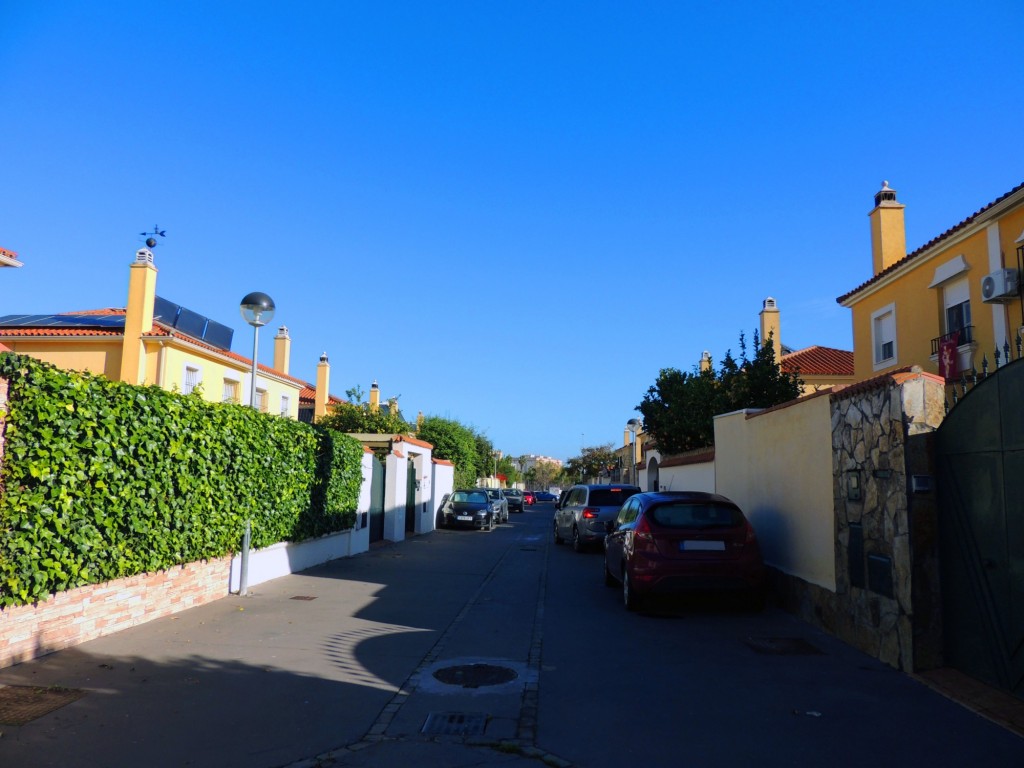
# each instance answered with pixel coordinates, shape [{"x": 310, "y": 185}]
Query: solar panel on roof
[
  {"x": 62, "y": 321},
  {"x": 192, "y": 323}
]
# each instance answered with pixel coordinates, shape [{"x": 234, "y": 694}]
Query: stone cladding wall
[{"x": 85, "y": 613}]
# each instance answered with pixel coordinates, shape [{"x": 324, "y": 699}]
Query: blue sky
[{"x": 511, "y": 214}]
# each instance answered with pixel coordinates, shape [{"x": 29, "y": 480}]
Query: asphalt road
[{"x": 472, "y": 648}]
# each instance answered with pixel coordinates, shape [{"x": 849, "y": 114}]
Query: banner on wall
[{"x": 948, "y": 358}]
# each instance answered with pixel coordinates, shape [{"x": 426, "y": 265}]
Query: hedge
[{"x": 103, "y": 480}]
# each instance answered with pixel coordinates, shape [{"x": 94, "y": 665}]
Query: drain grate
[
  {"x": 455, "y": 724},
  {"x": 302, "y": 597},
  {"x": 782, "y": 646},
  {"x": 475, "y": 675},
  {"x": 20, "y": 704}
]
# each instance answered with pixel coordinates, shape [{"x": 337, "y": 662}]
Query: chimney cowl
[{"x": 885, "y": 195}]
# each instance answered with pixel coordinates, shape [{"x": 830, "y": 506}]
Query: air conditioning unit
[{"x": 1002, "y": 285}]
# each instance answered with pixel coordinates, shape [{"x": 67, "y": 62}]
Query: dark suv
[
  {"x": 514, "y": 497},
  {"x": 583, "y": 515}
]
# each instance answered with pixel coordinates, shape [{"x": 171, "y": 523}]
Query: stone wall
[{"x": 874, "y": 425}]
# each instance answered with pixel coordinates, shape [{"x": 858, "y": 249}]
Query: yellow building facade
[
  {"x": 155, "y": 342},
  {"x": 947, "y": 306}
]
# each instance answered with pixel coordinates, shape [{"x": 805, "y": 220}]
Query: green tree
[
  {"x": 452, "y": 442},
  {"x": 358, "y": 417},
  {"x": 590, "y": 463},
  {"x": 679, "y": 408}
]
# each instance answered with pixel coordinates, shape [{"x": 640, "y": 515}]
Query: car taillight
[
  {"x": 749, "y": 537},
  {"x": 589, "y": 513},
  {"x": 642, "y": 532}
]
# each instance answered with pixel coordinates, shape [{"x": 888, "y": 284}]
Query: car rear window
[
  {"x": 609, "y": 497},
  {"x": 696, "y": 516}
]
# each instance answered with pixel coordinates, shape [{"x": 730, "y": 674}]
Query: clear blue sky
[{"x": 511, "y": 214}]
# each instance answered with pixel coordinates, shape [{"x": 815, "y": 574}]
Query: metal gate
[
  {"x": 376, "y": 500},
  {"x": 410, "y": 498},
  {"x": 980, "y": 476}
]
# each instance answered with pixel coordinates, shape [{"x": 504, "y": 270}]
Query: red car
[
  {"x": 675, "y": 542},
  {"x": 529, "y": 498}
]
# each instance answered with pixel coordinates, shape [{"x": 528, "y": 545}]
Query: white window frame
[
  {"x": 879, "y": 337},
  {"x": 231, "y": 391},
  {"x": 262, "y": 400},
  {"x": 190, "y": 382},
  {"x": 286, "y": 405}
]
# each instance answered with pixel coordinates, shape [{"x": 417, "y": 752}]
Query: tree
[
  {"x": 590, "y": 463},
  {"x": 452, "y": 442},
  {"x": 358, "y": 417},
  {"x": 679, "y": 408}
]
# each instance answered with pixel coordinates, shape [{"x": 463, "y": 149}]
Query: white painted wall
[{"x": 778, "y": 467}]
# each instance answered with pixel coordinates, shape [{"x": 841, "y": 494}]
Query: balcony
[{"x": 966, "y": 337}]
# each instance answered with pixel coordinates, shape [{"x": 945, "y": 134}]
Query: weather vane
[{"x": 150, "y": 240}]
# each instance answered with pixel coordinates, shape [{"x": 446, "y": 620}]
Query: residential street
[{"x": 336, "y": 666}]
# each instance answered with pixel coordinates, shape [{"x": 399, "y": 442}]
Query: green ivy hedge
[{"x": 103, "y": 480}]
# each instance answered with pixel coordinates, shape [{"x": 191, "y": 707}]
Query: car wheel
[
  {"x": 609, "y": 580},
  {"x": 629, "y": 598},
  {"x": 558, "y": 539},
  {"x": 577, "y": 543}
]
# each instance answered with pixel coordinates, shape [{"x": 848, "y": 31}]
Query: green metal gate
[
  {"x": 980, "y": 479},
  {"x": 410, "y": 499},
  {"x": 376, "y": 500}
]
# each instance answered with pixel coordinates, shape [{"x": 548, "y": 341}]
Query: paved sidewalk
[{"x": 308, "y": 669}]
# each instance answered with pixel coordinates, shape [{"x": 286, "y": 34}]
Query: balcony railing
[{"x": 966, "y": 335}]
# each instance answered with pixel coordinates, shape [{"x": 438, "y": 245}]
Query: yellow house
[
  {"x": 153, "y": 341},
  {"x": 818, "y": 367},
  {"x": 949, "y": 306}
]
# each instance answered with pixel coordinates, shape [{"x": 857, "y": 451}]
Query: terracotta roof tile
[
  {"x": 818, "y": 361},
  {"x": 928, "y": 246}
]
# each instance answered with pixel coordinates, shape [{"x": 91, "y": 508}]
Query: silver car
[
  {"x": 497, "y": 497},
  {"x": 582, "y": 518}
]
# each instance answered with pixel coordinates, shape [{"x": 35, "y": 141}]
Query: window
[
  {"x": 262, "y": 402},
  {"x": 230, "y": 394},
  {"x": 883, "y": 336},
  {"x": 191, "y": 380},
  {"x": 285, "y": 405},
  {"x": 956, "y": 298}
]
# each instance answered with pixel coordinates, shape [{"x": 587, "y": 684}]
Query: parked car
[
  {"x": 497, "y": 496},
  {"x": 514, "y": 497},
  {"x": 682, "y": 541},
  {"x": 529, "y": 498},
  {"x": 587, "y": 509},
  {"x": 471, "y": 508},
  {"x": 545, "y": 496}
]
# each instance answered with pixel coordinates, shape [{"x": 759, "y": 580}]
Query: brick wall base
[{"x": 79, "y": 615}]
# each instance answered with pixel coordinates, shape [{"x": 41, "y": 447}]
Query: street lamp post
[
  {"x": 632, "y": 425},
  {"x": 257, "y": 310}
]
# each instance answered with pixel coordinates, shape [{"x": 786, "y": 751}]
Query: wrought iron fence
[{"x": 970, "y": 380}]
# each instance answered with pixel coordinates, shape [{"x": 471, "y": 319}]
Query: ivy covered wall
[{"x": 102, "y": 480}]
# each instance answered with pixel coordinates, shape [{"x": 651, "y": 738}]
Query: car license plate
[
  {"x": 702, "y": 546},
  {"x": 464, "y": 518}
]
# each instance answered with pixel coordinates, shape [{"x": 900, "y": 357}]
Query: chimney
[
  {"x": 282, "y": 350},
  {"x": 771, "y": 328},
  {"x": 705, "y": 361},
  {"x": 374, "y": 397},
  {"x": 138, "y": 316},
  {"x": 323, "y": 377},
  {"x": 888, "y": 232},
  {"x": 625, "y": 437},
  {"x": 419, "y": 421}
]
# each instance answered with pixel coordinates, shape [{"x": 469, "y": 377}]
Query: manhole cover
[
  {"x": 475, "y": 675},
  {"x": 20, "y": 704},
  {"x": 455, "y": 724},
  {"x": 302, "y": 597},
  {"x": 782, "y": 646}
]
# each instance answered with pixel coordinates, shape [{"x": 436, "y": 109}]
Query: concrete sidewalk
[{"x": 309, "y": 669}]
